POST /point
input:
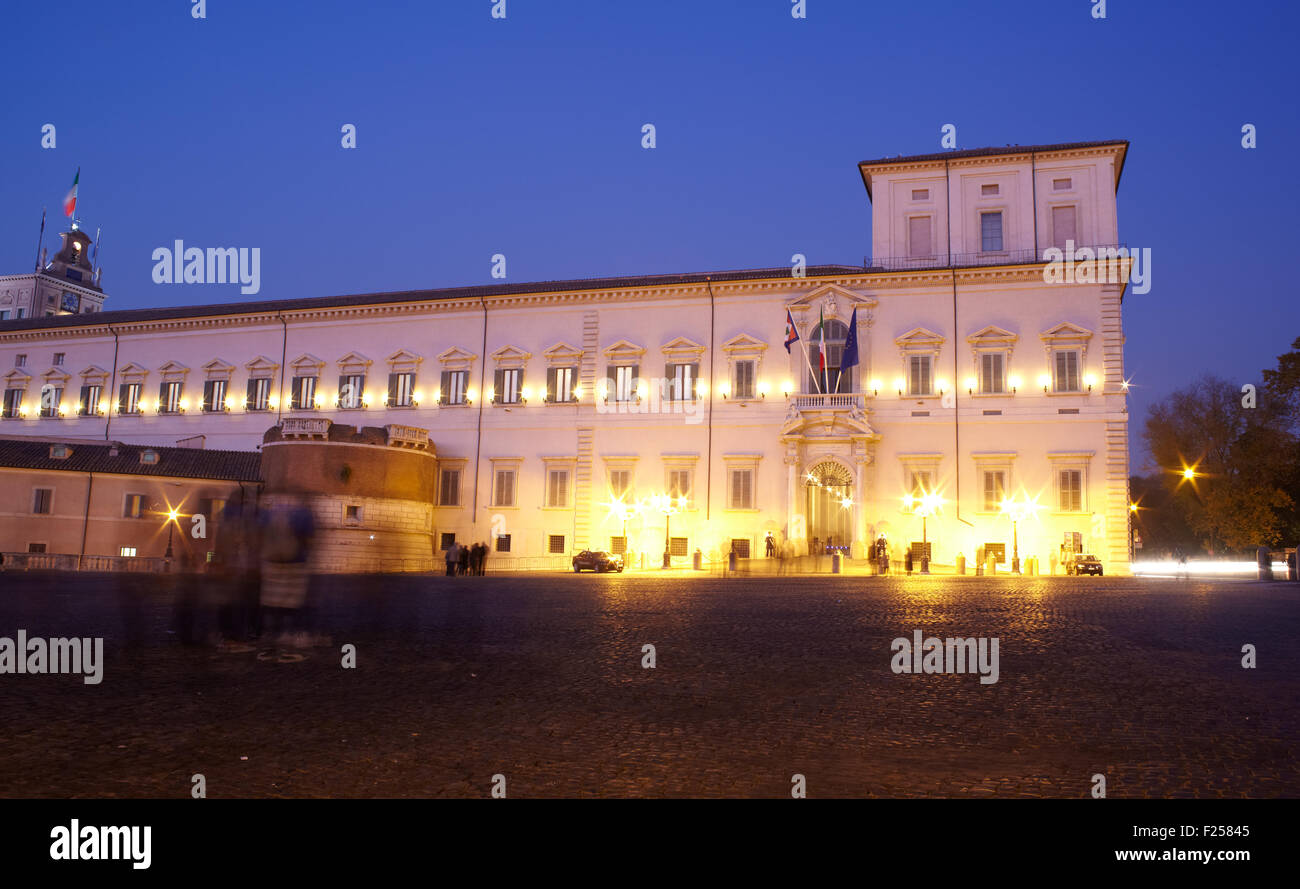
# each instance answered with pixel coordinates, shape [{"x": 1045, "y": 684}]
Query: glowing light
[
  {"x": 273, "y": 401},
  {"x": 1015, "y": 382},
  {"x": 172, "y": 513},
  {"x": 764, "y": 388},
  {"x": 185, "y": 404},
  {"x": 1170, "y": 568},
  {"x": 526, "y": 392},
  {"x": 1133, "y": 507},
  {"x": 900, "y": 384},
  {"x": 1090, "y": 380},
  {"x": 1045, "y": 380},
  {"x": 471, "y": 395},
  {"x": 971, "y": 383},
  {"x": 701, "y": 388},
  {"x": 875, "y": 385},
  {"x": 228, "y": 403},
  {"x": 943, "y": 385},
  {"x": 1189, "y": 473},
  {"x": 724, "y": 389},
  {"x": 787, "y": 386},
  {"x": 417, "y": 396}
]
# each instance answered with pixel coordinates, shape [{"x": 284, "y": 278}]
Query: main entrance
[{"x": 829, "y": 505}]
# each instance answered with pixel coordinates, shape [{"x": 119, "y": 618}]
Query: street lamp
[
  {"x": 1018, "y": 510},
  {"x": 621, "y": 510},
  {"x": 925, "y": 506},
  {"x": 668, "y": 505},
  {"x": 171, "y": 523}
]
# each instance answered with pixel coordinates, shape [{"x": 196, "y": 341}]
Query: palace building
[{"x": 985, "y": 411}]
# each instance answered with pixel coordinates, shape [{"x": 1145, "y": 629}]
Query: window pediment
[
  {"x": 510, "y": 356},
  {"x": 744, "y": 345},
  {"x": 56, "y": 376},
  {"x": 354, "y": 363},
  {"x": 1066, "y": 333},
  {"x": 457, "y": 359},
  {"x": 403, "y": 361},
  {"x": 624, "y": 351},
  {"x": 920, "y": 339},
  {"x": 992, "y": 337},
  {"x": 173, "y": 372},
  {"x": 682, "y": 349},
  {"x": 216, "y": 369},
  {"x": 94, "y": 375},
  {"x": 261, "y": 366},
  {"x": 17, "y": 379},
  {"x": 133, "y": 373},
  {"x": 306, "y": 364},
  {"x": 563, "y": 354}
]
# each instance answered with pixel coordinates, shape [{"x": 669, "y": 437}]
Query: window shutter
[
  {"x": 121, "y": 398},
  {"x": 550, "y": 384},
  {"x": 250, "y": 395},
  {"x": 918, "y": 230},
  {"x": 1064, "y": 226},
  {"x": 392, "y": 389},
  {"x": 207, "y": 395},
  {"x": 636, "y": 380},
  {"x": 498, "y": 384},
  {"x": 84, "y": 403},
  {"x": 162, "y": 396},
  {"x": 444, "y": 388}
]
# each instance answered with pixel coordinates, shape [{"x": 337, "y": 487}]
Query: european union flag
[{"x": 850, "y": 355}]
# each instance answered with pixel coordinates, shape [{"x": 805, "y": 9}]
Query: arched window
[{"x": 837, "y": 332}]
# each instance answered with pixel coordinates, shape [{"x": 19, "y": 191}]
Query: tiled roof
[
  {"x": 270, "y": 307},
  {"x": 991, "y": 151},
  {"x": 242, "y": 466}
]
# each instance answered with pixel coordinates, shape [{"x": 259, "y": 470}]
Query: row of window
[
  {"x": 557, "y": 493},
  {"x": 1063, "y": 220},
  {"x": 994, "y": 490}
]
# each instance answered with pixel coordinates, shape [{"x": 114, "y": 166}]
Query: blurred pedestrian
[
  {"x": 462, "y": 567},
  {"x": 288, "y": 533},
  {"x": 453, "y": 558}
]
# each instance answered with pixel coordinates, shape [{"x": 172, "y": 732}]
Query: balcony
[
  {"x": 1026, "y": 256},
  {"x": 828, "y": 401}
]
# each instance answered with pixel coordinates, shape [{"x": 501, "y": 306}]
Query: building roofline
[
  {"x": 991, "y": 151},
  {"x": 271, "y": 307}
]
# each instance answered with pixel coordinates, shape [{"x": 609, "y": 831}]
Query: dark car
[
  {"x": 1084, "y": 564},
  {"x": 589, "y": 560}
]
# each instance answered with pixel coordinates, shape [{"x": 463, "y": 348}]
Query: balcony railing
[
  {"x": 827, "y": 401},
  {"x": 984, "y": 258}
]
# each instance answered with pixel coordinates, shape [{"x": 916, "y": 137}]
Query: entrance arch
[{"x": 829, "y": 504}]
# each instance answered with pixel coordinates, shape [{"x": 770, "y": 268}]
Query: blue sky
[{"x": 479, "y": 136}]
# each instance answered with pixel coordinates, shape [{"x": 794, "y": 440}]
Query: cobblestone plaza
[{"x": 540, "y": 679}]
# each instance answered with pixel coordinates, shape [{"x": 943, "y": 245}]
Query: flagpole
[{"x": 40, "y": 240}]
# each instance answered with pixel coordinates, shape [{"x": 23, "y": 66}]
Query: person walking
[
  {"x": 462, "y": 566},
  {"x": 453, "y": 558},
  {"x": 482, "y": 558}
]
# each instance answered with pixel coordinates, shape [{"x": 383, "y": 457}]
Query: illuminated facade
[{"x": 555, "y": 409}]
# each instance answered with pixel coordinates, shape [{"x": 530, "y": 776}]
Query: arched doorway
[{"x": 829, "y": 504}]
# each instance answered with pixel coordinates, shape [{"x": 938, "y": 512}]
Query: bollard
[
  {"x": 961, "y": 563},
  {"x": 837, "y": 562},
  {"x": 697, "y": 561},
  {"x": 991, "y": 566}
]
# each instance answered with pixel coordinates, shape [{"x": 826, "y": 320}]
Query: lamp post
[
  {"x": 668, "y": 506},
  {"x": 925, "y": 506},
  {"x": 1017, "y": 510},
  {"x": 171, "y": 522}
]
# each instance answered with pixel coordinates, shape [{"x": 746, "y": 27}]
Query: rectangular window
[
  {"x": 169, "y": 398},
  {"x": 742, "y": 386},
  {"x": 991, "y": 377},
  {"x": 352, "y": 392},
  {"x": 742, "y": 489},
  {"x": 1071, "y": 482},
  {"x": 995, "y": 490},
  {"x": 58, "y": 359},
  {"x": 679, "y": 483},
  {"x": 920, "y": 483},
  {"x": 259, "y": 394},
  {"x": 678, "y": 546},
  {"x": 503, "y": 491},
  {"x": 557, "y": 488},
  {"x": 453, "y": 385},
  {"x": 1064, "y": 226},
  {"x": 449, "y": 488},
  {"x": 4, "y": 314},
  {"x": 918, "y": 375},
  {"x": 560, "y": 382},
  {"x": 21, "y": 359},
  {"x": 303, "y": 394},
  {"x": 503, "y": 543},
  {"x": 1065, "y": 371},
  {"x": 128, "y": 398},
  {"x": 42, "y": 501},
  {"x": 740, "y": 546},
  {"x": 446, "y": 540},
  {"x": 920, "y": 194},
  {"x": 618, "y": 545},
  {"x": 988, "y": 190},
  {"x": 51, "y": 398},
  {"x": 555, "y": 544},
  {"x": 352, "y": 514},
  {"x": 13, "y": 402},
  {"x": 991, "y": 231},
  {"x": 133, "y": 506},
  {"x": 508, "y": 385},
  {"x": 622, "y": 387},
  {"x": 918, "y": 237},
  {"x": 401, "y": 390},
  {"x": 681, "y": 381},
  {"x": 35, "y": 547},
  {"x": 88, "y": 405},
  {"x": 214, "y": 396},
  {"x": 1062, "y": 184},
  {"x": 126, "y": 552},
  {"x": 620, "y": 482},
  {"x": 22, "y": 313}
]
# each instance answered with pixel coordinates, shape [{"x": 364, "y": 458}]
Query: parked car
[
  {"x": 598, "y": 561},
  {"x": 1084, "y": 563}
]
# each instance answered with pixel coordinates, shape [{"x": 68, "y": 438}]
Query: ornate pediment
[
  {"x": 993, "y": 337},
  {"x": 919, "y": 339},
  {"x": 624, "y": 350},
  {"x": 510, "y": 356},
  {"x": 744, "y": 343},
  {"x": 1066, "y": 332},
  {"x": 563, "y": 353}
]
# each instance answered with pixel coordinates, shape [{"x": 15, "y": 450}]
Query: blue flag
[{"x": 850, "y": 356}]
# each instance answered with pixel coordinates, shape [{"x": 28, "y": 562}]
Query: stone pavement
[{"x": 539, "y": 678}]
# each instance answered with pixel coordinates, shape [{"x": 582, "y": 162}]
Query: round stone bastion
[{"x": 370, "y": 490}]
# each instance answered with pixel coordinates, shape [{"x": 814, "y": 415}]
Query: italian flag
[{"x": 70, "y": 202}]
